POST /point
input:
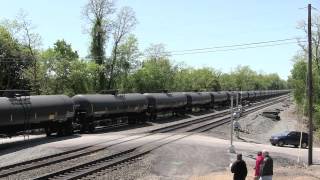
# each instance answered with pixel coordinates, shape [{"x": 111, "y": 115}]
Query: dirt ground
[
  {"x": 205, "y": 157},
  {"x": 258, "y": 129},
  {"x": 202, "y": 156}
]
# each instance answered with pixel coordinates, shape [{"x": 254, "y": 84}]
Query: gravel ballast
[{"x": 198, "y": 156}]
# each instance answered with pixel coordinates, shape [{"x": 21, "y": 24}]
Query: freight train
[{"x": 59, "y": 113}]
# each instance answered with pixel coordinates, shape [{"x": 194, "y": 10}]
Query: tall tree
[
  {"x": 187, "y": 79},
  {"x": 299, "y": 69},
  {"x": 63, "y": 72},
  {"x": 98, "y": 13},
  {"x": 64, "y": 57},
  {"x": 315, "y": 39},
  {"x": 122, "y": 26},
  {"x": 154, "y": 75},
  {"x": 31, "y": 40},
  {"x": 127, "y": 63}
]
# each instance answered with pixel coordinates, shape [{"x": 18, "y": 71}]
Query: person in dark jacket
[
  {"x": 266, "y": 169},
  {"x": 239, "y": 168}
]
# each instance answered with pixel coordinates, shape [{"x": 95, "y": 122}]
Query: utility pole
[
  {"x": 231, "y": 148},
  {"x": 237, "y": 100},
  {"x": 310, "y": 108}
]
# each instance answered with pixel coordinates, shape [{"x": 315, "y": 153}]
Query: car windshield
[{"x": 285, "y": 133}]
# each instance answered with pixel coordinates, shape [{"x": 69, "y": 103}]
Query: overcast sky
[{"x": 181, "y": 24}]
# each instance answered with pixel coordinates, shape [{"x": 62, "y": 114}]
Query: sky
[{"x": 184, "y": 24}]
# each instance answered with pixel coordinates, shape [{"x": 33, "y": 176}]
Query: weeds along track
[{"x": 79, "y": 163}]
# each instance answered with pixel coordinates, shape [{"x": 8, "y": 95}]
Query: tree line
[
  {"x": 60, "y": 70},
  {"x": 298, "y": 78}
]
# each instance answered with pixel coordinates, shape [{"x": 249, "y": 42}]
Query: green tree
[
  {"x": 187, "y": 79},
  {"x": 14, "y": 59},
  {"x": 299, "y": 71},
  {"x": 242, "y": 78},
  {"x": 98, "y": 14},
  {"x": 121, "y": 27},
  {"x": 154, "y": 75},
  {"x": 127, "y": 63},
  {"x": 227, "y": 82},
  {"x": 31, "y": 40},
  {"x": 64, "y": 73}
]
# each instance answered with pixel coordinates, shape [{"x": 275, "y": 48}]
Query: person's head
[
  {"x": 239, "y": 156},
  {"x": 265, "y": 153},
  {"x": 259, "y": 153}
]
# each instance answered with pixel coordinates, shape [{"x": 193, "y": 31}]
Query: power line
[
  {"x": 237, "y": 45},
  {"x": 235, "y": 49},
  {"x": 222, "y": 48},
  {"x": 242, "y": 46}
]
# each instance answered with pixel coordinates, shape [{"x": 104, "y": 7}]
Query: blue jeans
[{"x": 265, "y": 178}]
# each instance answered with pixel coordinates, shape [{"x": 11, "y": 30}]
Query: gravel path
[{"x": 259, "y": 128}]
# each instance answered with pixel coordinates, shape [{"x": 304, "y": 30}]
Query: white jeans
[{"x": 265, "y": 178}]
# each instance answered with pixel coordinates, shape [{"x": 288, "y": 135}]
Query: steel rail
[{"x": 90, "y": 168}]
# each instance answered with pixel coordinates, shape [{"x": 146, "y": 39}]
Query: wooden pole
[{"x": 310, "y": 107}]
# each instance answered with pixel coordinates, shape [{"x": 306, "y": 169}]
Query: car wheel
[
  {"x": 280, "y": 143},
  {"x": 304, "y": 145}
]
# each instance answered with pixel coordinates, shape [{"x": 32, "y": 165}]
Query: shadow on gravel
[
  {"x": 121, "y": 128},
  {"x": 163, "y": 120},
  {"x": 15, "y": 146},
  {"x": 203, "y": 112},
  {"x": 248, "y": 141}
]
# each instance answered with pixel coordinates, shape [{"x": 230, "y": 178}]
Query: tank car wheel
[
  {"x": 68, "y": 128},
  {"x": 304, "y": 145},
  {"x": 154, "y": 117},
  {"x": 82, "y": 130},
  {"x": 91, "y": 128},
  {"x": 143, "y": 119},
  {"x": 182, "y": 113},
  {"x": 61, "y": 131},
  {"x": 132, "y": 121},
  {"x": 48, "y": 131}
]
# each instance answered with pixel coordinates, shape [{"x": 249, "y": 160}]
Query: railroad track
[
  {"x": 100, "y": 166},
  {"x": 114, "y": 159},
  {"x": 72, "y": 154}
]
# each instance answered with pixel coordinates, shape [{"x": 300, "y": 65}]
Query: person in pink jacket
[{"x": 259, "y": 161}]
